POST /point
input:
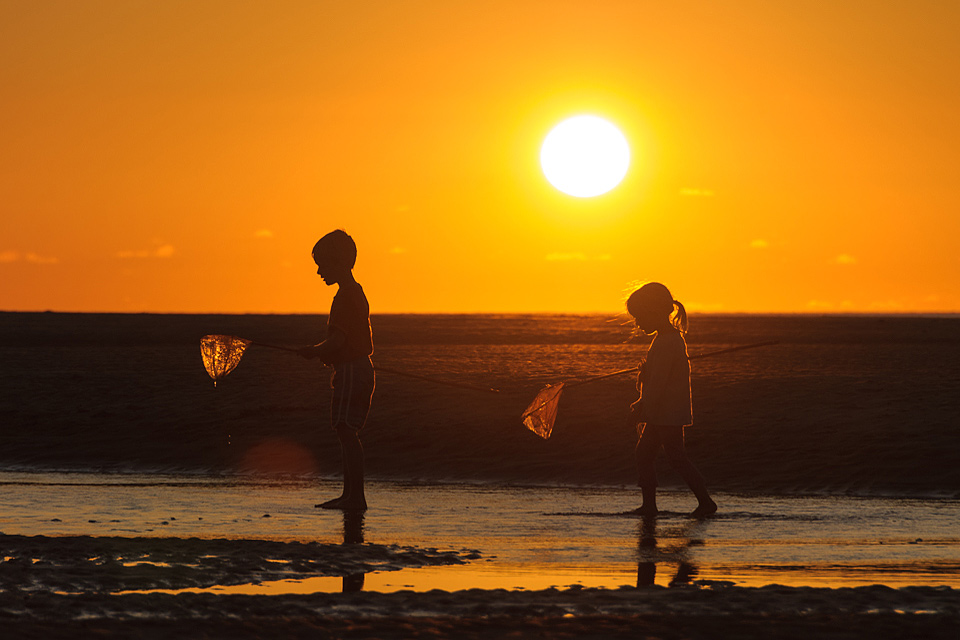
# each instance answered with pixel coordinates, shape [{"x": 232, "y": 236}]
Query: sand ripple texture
[
  {"x": 863, "y": 612},
  {"x": 85, "y": 564}
]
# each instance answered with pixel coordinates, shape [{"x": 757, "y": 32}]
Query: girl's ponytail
[
  {"x": 679, "y": 319},
  {"x": 658, "y": 299}
]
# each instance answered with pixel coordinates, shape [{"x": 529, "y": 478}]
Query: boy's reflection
[
  {"x": 670, "y": 549},
  {"x": 353, "y": 534}
]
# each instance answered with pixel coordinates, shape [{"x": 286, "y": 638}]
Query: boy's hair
[
  {"x": 658, "y": 298},
  {"x": 338, "y": 248}
]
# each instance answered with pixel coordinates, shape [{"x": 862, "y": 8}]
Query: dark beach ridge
[{"x": 844, "y": 404}]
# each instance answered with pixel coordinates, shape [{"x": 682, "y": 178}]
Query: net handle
[
  {"x": 395, "y": 372},
  {"x": 696, "y": 357}
]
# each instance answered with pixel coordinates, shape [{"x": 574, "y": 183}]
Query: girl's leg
[
  {"x": 672, "y": 439},
  {"x": 648, "y": 445}
]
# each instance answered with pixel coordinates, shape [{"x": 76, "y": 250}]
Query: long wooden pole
[
  {"x": 696, "y": 357},
  {"x": 449, "y": 383}
]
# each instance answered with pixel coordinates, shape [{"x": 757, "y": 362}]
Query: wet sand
[
  {"x": 669, "y": 577},
  {"x": 65, "y": 588},
  {"x": 865, "y": 612}
]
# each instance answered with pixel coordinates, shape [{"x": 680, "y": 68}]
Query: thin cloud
[
  {"x": 886, "y": 305},
  {"x": 845, "y": 258},
  {"x": 37, "y": 259},
  {"x": 690, "y": 192},
  {"x": 263, "y": 233},
  {"x": 398, "y": 250},
  {"x": 33, "y": 258},
  {"x": 575, "y": 256},
  {"x": 759, "y": 243},
  {"x": 162, "y": 251}
]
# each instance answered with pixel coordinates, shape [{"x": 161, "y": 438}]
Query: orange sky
[{"x": 184, "y": 156}]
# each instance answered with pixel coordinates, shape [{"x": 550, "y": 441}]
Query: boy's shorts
[{"x": 353, "y": 383}]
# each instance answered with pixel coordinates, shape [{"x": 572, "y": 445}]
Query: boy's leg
[
  {"x": 353, "y": 385},
  {"x": 353, "y": 490},
  {"x": 648, "y": 445},
  {"x": 672, "y": 439},
  {"x": 335, "y": 502},
  {"x": 351, "y": 454}
]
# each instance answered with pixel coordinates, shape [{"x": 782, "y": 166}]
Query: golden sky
[{"x": 787, "y": 156}]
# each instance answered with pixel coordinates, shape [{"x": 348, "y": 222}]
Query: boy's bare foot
[
  {"x": 704, "y": 509},
  {"x": 646, "y": 510},
  {"x": 346, "y": 504},
  {"x": 352, "y": 504}
]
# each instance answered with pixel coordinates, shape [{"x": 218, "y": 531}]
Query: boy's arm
[{"x": 326, "y": 349}]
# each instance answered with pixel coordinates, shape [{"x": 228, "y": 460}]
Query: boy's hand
[
  {"x": 635, "y": 410},
  {"x": 307, "y": 352}
]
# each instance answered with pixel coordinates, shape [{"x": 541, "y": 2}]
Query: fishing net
[
  {"x": 221, "y": 354},
  {"x": 542, "y": 412}
]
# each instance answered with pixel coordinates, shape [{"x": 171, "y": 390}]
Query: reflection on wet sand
[
  {"x": 353, "y": 534},
  {"x": 672, "y": 547}
]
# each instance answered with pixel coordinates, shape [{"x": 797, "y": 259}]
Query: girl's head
[{"x": 654, "y": 308}]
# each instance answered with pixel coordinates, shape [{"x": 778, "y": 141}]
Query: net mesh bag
[
  {"x": 221, "y": 354},
  {"x": 542, "y": 412}
]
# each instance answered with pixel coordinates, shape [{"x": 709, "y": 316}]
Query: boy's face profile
[
  {"x": 334, "y": 255},
  {"x": 328, "y": 271}
]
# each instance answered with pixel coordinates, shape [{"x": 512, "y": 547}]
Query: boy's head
[{"x": 335, "y": 255}]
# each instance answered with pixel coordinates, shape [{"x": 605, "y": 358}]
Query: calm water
[{"x": 529, "y": 537}]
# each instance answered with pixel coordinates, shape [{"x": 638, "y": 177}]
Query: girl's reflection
[{"x": 671, "y": 548}]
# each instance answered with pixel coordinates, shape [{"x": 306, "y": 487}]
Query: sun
[{"x": 585, "y": 156}]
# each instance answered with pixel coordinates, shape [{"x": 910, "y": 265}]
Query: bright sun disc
[{"x": 585, "y": 156}]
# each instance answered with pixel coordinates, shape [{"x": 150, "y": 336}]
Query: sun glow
[{"x": 585, "y": 156}]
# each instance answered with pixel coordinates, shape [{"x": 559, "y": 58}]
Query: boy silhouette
[{"x": 347, "y": 347}]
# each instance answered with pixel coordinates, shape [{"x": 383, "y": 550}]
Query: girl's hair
[{"x": 658, "y": 299}]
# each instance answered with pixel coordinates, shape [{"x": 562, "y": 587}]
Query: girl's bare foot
[
  {"x": 646, "y": 510},
  {"x": 330, "y": 504},
  {"x": 704, "y": 509}
]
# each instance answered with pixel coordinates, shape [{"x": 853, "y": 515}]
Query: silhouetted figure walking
[{"x": 664, "y": 407}]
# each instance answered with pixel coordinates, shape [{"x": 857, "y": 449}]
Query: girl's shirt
[{"x": 664, "y": 382}]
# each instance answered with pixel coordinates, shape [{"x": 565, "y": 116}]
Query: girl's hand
[{"x": 635, "y": 410}]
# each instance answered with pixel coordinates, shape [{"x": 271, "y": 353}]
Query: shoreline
[{"x": 254, "y": 478}]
